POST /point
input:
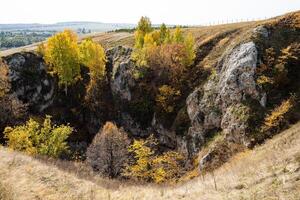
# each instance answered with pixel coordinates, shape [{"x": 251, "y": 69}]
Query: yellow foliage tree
[
  {"x": 144, "y": 27},
  {"x": 166, "y": 99},
  {"x": 166, "y": 167},
  {"x": 93, "y": 56},
  {"x": 62, "y": 54},
  {"x": 41, "y": 49},
  {"x": 141, "y": 169},
  {"x": 163, "y": 31},
  {"x": 178, "y": 37},
  {"x": 189, "y": 43},
  {"x": 33, "y": 138},
  {"x": 151, "y": 167}
]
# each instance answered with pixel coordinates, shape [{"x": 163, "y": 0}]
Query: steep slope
[
  {"x": 242, "y": 73},
  {"x": 270, "y": 171}
]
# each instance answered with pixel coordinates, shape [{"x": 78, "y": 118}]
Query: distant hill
[{"x": 93, "y": 26}]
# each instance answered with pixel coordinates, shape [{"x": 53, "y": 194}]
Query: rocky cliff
[{"x": 220, "y": 111}]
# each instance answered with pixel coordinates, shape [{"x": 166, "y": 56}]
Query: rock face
[
  {"x": 29, "y": 80},
  {"x": 122, "y": 67},
  {"x": 218, "y": 105},
  {"x": 122, "y": 83},
  {"x": 261, "y": 30}
]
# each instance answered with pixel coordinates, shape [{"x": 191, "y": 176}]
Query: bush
[
  {"x": 277, "y": 116},
  {"x": 143, "y": 156},
  {"x": 147, "y": 166},
  {"x": 167, "y": 63},
  {"x": 167, "y": 167},
  {"x": 11, "y": 108},
  {"x": 166, "y": 98},
  {"x": 33, "y": 138},
  {"x": 41, "y": 49},
  {"x": 108, "y": 152}
]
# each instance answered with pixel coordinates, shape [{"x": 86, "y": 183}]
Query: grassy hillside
[{"x": 270, "y": 171}]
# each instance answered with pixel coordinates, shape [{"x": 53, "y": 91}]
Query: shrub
[
  {"x": 166, "y": 98},
  {"x": 33, "y": 138},
  {"x": 167, "y": 63},
  {"x": 262, "y": 80},
  {"x": 147, "y": 166},
  {"x": 290, "y": 53},
  {"x": 276, "y": 117},
  {"x": 270, "y": 57},
  {"x": 11, "y": 108},
  {"x": 41, "y": 49},
  {"x": 143, "y": 155},
  {"x": 4, "y": 82},
  {"x": 167, "y": 167},
  {"x": 108, "y": 152}
]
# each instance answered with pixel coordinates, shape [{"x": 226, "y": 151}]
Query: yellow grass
[{"x": 270, "y": 171}]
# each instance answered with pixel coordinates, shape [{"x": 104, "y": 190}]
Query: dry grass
[
  {"x": 5, "y": 192},
  {"x": 270, "y": 171}
]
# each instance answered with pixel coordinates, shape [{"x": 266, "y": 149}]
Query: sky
[{"x": 183, "y": 12}]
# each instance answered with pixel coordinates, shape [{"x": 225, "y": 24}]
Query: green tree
[
  {"x": 189, "y": 43},
  {"x": 168, "y": 37},
  {"x": 144, "y": 27},
  {"x": 178, "y": 36},
  {"x": 163, "y": 33},
  {"x": 62, "y": 54}
]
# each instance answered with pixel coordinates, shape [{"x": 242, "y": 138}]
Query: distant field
[
  {"x": 106, "y": 39},
  {"x": 112, "y": 39}
]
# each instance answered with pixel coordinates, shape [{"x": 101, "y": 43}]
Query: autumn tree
[
  {"x": 167, "y": 63},
  {"x": 190, "y": 55},
  {"x": 35, "y": 138},
  {"x": 144, "y": 27},
  {"x": 11, "y": 108},
  {"x": 93, "y": 56},
  {"x": 178, "y": 36},
  {"x": 166, "y": 98},
  {"x": 62, "y": 55},
  {"x": 140, "y": 169},
  {"x": 148, "y": 166},
  {"x": 163, "y": 33},
  {"x": 108, "y": 152}
]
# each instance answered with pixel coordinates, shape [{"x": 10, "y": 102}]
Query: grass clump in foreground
[{"x": 5, "y": 193}]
